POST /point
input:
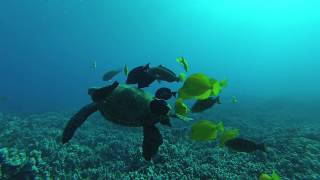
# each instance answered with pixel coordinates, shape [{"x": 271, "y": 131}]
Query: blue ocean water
[
  {"x": 47, "y": 46},
  {"x": 267, "y": 50}
]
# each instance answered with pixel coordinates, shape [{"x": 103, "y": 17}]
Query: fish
[
  {"x": 205, "y": 130},
  {"x": 94, "y": 65},
  {"x": 162, "y": 73},
  {"x": 244, "y": 145},
  {"x": 165, "y": 93},
  {"x": 202, "y": 105},
  {"x": 197, "y": 86},
  {"x": 110, "y": 74},
  {"x": 141, "y": 76},
  {"x": 126, "y": 70},
  {"x": 159, "y": 107},
  {"x": 184, "y": 63},
  {"x": 274, "y": 176},
  {"x": 234, "y": 100},
  {"x": 180, "y": 108},
  {"x": 224, "y": 83}
]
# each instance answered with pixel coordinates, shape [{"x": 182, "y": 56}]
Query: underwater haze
[{"x": 269, "y": 51}]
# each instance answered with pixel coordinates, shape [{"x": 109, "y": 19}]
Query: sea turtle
[{"x": 124, "y": 105}]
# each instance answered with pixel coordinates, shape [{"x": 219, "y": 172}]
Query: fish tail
[{"x": 262, "y": 147}]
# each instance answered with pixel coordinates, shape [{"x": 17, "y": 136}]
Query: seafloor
[{"x": 31, "y": 147}]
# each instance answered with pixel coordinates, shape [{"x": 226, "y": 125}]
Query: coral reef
[{"x": 31, "y": 148}]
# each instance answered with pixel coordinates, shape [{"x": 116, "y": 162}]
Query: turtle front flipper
[
  {"x": 77, "y": 120},
  {"x": 152, "y": 140}
]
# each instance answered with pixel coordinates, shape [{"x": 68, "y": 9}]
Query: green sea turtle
[{"x": 124, "y": 105}]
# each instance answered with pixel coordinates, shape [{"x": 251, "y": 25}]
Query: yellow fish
[
  {"x": 126, "y": 70},
  {"x": 180, "y": 108},
  {"x": 199, "y": 86},
  {"x": 265, "y": 176},
  {"x": 184, "y": 63},
  {"x": 224, "y": 83},
  {"x": 196, "y": 85},
  {"x": 205, "y": 130}
]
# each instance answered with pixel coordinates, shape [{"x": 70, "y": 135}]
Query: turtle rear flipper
[
  {"x": 77, "y": 120},
  {"x": 152, "y": 139}
]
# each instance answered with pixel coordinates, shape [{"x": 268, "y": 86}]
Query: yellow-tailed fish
[
  {"x": 224, "y": 83},
  {"x": 196, "y": 85},
  {"x": 274, "y": 176},
  {"x": 205, "y": 130},
  {"x": 180, "y": 108},
  {"x": 265, "y": 176},
  {"x": 184, "y": 63}
]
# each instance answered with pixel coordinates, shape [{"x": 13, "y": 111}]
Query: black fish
[
  {"x": 243, "y": 145},
  {"x": 159, "y": 107},
  {"x": 165, "y": 93},
  {"x": 141, "y": 76},
  {"x": 202, "y": 105},
  {"x": 162, "y": 73}
]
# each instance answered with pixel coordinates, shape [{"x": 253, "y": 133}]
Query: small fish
[
  {"x": 205, "y": 130},
  {"x": 94, "y": 65},
  {"x": 159, "y": 107},
  {"x": 110, "y": 74},
  {"x": 243, "y": 145},
  {"x": 184, "y": 63},
  {"x": 202, "y": 105},
  {"x": 180, "y": 108},
  {"x": 165, "y": 93},
  {"x": 141, "y": 76},
  {"x": 224, "y": 83},
  {"x": 162, "y": 73},
  {"x": 126, "y": 70},
  {"x": 234, "y": 100},
  {"x": 274, "y": 176}
]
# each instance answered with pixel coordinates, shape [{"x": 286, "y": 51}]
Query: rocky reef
[{"x": 31, "y": 148}]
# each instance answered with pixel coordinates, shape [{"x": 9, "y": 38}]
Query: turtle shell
[{"x": 128, "y": 106}]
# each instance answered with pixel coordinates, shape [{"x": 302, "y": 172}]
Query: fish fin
[
  {"x": 152, "y": 140},
  {"x": 275, "y": 176},
  {"x": 181, "y": 117},
  {"x": 182, "y": 77}
]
